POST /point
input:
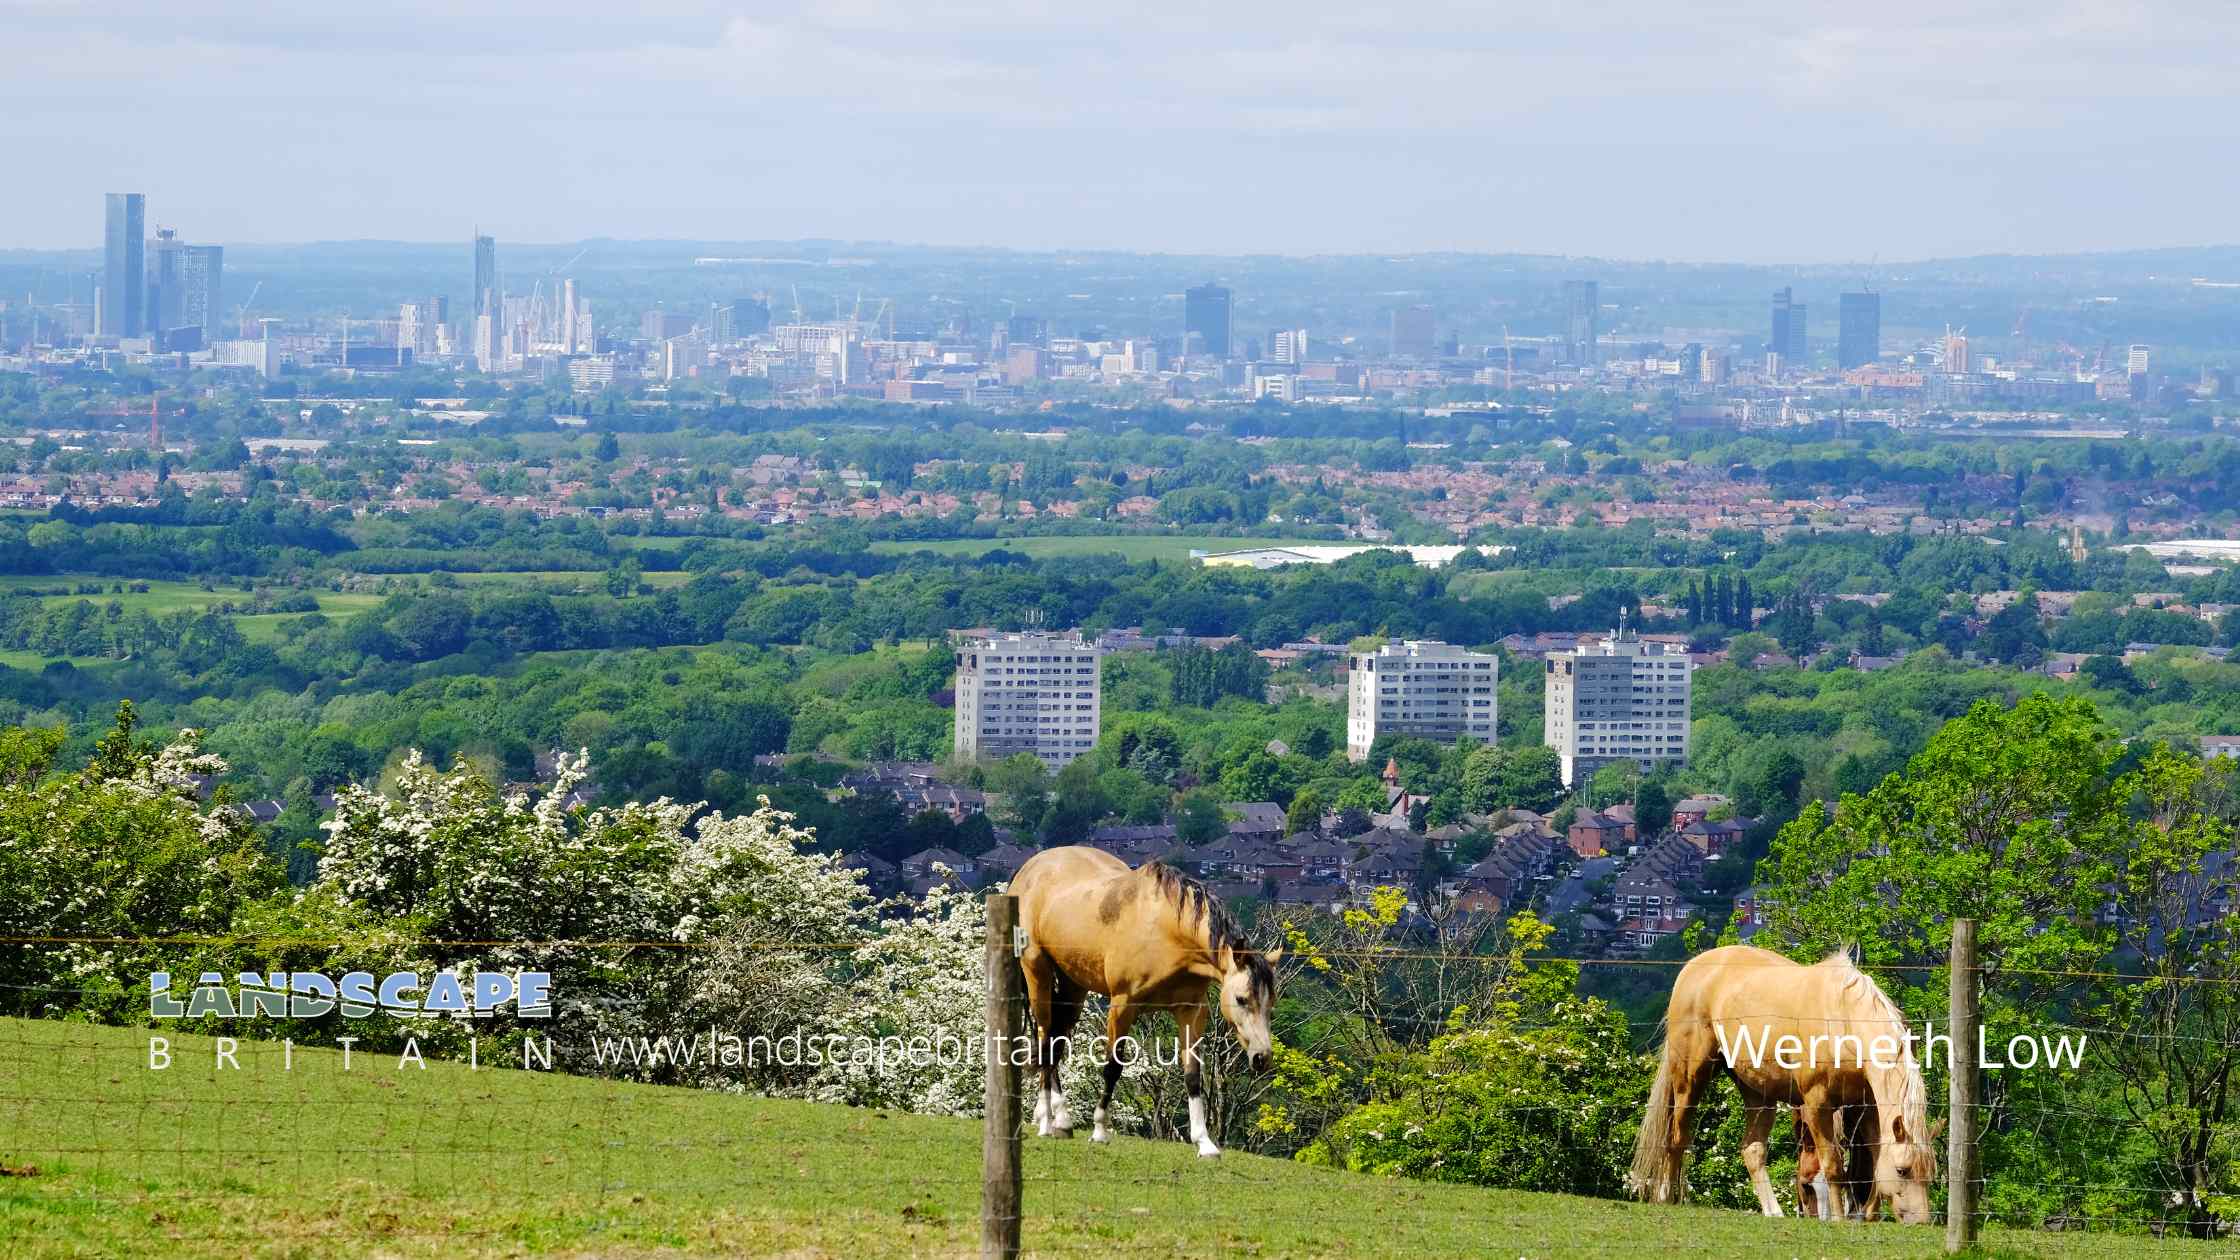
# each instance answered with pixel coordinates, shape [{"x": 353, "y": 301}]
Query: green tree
[{"x": 1199, "y": 819}]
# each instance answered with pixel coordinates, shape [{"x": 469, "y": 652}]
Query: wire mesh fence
[{"x": 422, "y": 1130}]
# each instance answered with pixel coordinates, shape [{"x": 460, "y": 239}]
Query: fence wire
[{"x": 283, "y": 1141}]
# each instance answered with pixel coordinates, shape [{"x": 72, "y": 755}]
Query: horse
[
  {"x": 1853, "y": 1193},
  {"x": 1149, "y": 939},
  {"x": 1821, "y": 1039}
]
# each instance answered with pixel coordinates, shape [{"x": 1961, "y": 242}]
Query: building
[
  {"x": 1956, "y": 351},
  {"x": 1026, "y": 330},
  {"x": 1422, "y": 688},
  {"x": 202, "y": 288},
  {"x": 1287, "y": 345},
  {"x": 1030, "y": 692},
  {"x": 1205, "y": 316},
  {"x": 124, "y": 270},
  {"x": 1618, "y": 700},
  {"x": 1788, "y": 331},
  {"x": 1024, "y": 364},
  {"x": 1415, "y": 332},
  {"x": 1858, "y": 330},
  {"x": 487, "y": 297},
  {"x": 1582, "y": 302}
]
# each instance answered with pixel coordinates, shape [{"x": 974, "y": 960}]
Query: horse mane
[
  {"x": 1859, "y": 987},
  {"x": 1193, "y": 898}
]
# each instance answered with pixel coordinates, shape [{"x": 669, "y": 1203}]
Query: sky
[{"x": 1734, "y": 130}]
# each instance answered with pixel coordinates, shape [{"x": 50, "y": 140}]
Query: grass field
[
  {"x": 165, "y": 596},
  {"x": 100, "y": 1156},
  {"x": 1135, "y": 547}
]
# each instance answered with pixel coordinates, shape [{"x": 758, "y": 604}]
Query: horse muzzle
[{"x": 1261, "y": 1061}]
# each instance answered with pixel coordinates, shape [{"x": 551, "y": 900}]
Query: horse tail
[{"x": 1654, "y": 1179}]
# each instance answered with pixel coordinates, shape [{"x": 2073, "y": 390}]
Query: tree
[
  {"x": 2013, "y": 817},
  {"x": 2177, "y": 891},
  {"x": 1024, "y": 787},
  {"x": 1652, "y": 808},
  {"x": 1612, "y": 784},
  {"x": 1199, "y": 819},
  {"x": 1533, "y": 779},
  {"x": 1767, "y": 781},
  {"x": 1306, "y": 812}
]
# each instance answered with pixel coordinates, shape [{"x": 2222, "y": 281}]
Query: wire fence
[{"x": 328, "y": 1132}]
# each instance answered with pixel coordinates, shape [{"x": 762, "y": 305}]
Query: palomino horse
[
  {"x": 1149, "y": 939},
  {"x": 1822, "y": 1039}
]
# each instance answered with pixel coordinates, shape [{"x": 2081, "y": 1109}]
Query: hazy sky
[{"x": 1788, "y": 130}]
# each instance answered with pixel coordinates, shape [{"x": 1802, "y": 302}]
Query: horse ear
[
  {"x": 1936, "y": 1128},
  {"x": 1226, "y": 960},
  {"x": 1275, "y": 955},
  {"x": 1898, "y": 1129}
]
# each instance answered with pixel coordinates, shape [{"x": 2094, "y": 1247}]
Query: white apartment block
[
  {"x": 1620, "y": 700},
  {"x": 1026, "y": 693},
  {"x": 1423, "y": 688}
]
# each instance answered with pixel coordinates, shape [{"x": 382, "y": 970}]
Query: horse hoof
[
  {"x": 1209, "y": 1151},
  {"x": 1100, "y": 1136}
]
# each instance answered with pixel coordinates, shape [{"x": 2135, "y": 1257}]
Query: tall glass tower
[{"x": 124, "y": 277}]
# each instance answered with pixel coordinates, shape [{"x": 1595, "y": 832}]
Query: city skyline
[{"x": 2047, "y": 131}]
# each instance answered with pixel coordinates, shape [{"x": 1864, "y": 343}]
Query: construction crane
[
  {"x": 242, "y": 316},
  {"x": 797, "y": 305},
  {"x": 1509, "y": 351}
]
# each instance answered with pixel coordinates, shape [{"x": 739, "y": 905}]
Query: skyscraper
[
  {"x": 1788, "y": 339},
  {"x": 161, "y": 295},
  {"x": 486, "y": 298},
  {"x": 1858, "y": 329},
  {"x": 124, "y": 274},
  {"x": 1205, "y": 314},
  {"x": 1582, "y": 304},
  {"x": 202, "y": 288}
]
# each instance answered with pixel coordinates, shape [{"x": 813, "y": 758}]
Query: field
[
  {"x": 1134, "y": 547},
  {"x": 99, "y": 1156},
  {"x": 166, "y": 596}
]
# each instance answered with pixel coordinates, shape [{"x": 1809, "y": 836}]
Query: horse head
[
  {"x": 1248, "y": 998},
  {"x": 1905, "y": 1167}
]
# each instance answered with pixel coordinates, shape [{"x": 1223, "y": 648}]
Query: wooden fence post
[
  {"x": 1000, "y": 1189},
  {"x": 1964, "y": 1020}
]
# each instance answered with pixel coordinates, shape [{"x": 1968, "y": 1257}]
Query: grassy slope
[
  {"x": 101, "y": 1157},
  {"x": 1135, "y": 547}
]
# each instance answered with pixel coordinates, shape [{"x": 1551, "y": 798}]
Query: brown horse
[
  {"x": 1853, "y": 1193},
  {"x": 1149, "y": 939},
  {"x": 1822, "y": 1039}
]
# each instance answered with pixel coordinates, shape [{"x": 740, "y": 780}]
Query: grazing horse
[
  {"x": 1822, "y": 1039},
  {"x": 1149, "y": 939}
]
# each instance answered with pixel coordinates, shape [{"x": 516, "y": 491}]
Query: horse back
[{"x": 1067, "y": 898}]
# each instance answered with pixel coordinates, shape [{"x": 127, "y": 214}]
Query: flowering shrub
[{"x": 121, "y": 849}]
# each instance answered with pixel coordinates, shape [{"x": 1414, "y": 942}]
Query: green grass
[
  {"x": 101, "y": 1157},
  {"x": 166, "y": 596},
  {"x": 1135, "y": 547}
]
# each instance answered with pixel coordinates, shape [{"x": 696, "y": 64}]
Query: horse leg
[
  {"x": 1758, "y": 1112},
  {"x": 1808, "y": 1173},
  {"x": 1065, "y": 1012},
  {"x": 1042, "y": 992},
  {"x": 1192, "y": 1020},
  {"x": 1824, "y": 1123},
  {"x": 1118, "y": 1020},
  {"x": 1691, "y": 1074}
]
